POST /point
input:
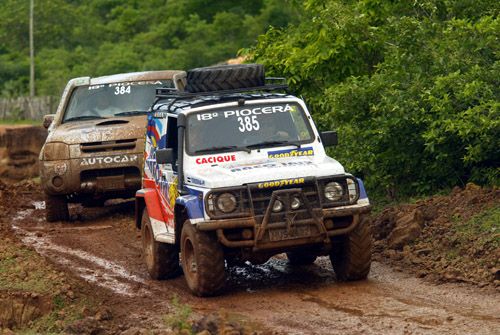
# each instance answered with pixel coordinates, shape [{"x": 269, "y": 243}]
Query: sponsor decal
[
  {"x": 60, "y": 169},
  {"x": 281, "y": 183},
  {"x": 126, "y": 84},
  {"x": 216, "y": 159},
  {"x": 309, "y": 151},
  {"x": 270, "y": 165},
  {"x": 108, "y": 160},
  {"x": 195, "y": 181},
  {"x": 245, "y": 112},
  {"x": 173, "y": 192}
]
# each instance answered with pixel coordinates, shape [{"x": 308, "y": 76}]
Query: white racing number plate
[{"x": 285, "y": 234}]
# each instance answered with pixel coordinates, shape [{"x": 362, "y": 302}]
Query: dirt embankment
[
  {"x": 19, "y": 149},
  {"x": 449, "y": 238}
]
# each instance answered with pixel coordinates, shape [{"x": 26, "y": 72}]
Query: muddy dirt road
[{"x": 102, "y": 247}]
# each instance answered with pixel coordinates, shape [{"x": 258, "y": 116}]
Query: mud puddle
[{"x": 102, "y": 247}]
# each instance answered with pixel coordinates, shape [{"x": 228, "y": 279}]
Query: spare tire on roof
[{"x": 225, "y": 77}]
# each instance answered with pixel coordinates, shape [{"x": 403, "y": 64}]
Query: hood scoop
[{"x": 111, "y": 122}]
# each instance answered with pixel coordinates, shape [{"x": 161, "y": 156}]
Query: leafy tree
[
  {"x": 99, "y": 37},
  {"x": 412, "y": 87}
]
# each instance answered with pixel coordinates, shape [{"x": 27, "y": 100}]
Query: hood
[
  {"x": 224, "y": 175},
  {"x": 108, "y": 129}
]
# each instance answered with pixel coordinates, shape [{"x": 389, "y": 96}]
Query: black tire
[
  {"x": 56, "y": 208},
  {"x": 351, "y": 255},
  {"x": 300, "y": 258},
  {"x": 202, "y": 261},
  {"x": 225, "y": 77},
  {"x": 162, "y": 259}
]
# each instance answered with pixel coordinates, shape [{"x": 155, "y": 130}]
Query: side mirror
[
  {"x": 165, "y": 156},
  {"x": 329, "y": 138},
  {"x": 47, "y": 120}
]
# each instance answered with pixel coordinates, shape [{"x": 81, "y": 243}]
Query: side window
[{"x": 172, "y": 135}]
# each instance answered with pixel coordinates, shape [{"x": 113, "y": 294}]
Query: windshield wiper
[
  {"x": 84, "y": 117},
  {"x": 138, "y": 112},
  {"x": 226, "y": 147},
  {"x": 272, "y": 143}
]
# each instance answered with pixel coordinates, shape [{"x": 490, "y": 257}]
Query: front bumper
[
  {"x": 322, "y": 225},
  {"x": 114, "y": 173}
]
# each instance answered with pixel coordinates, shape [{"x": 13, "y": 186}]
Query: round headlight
[
  {"x": 278, "y": 206},
  {"x": 226, "y": 202},
  {"x": 334, "y": 191},
  {"x": 295, "y": 203}
]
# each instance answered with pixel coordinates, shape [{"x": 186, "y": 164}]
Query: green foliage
[
  {"x": 482, "y": 232},
  {"x": 179, "y": 318},
  {"x": 412, "y": 87},
  {"x": 99, "y": 37}
]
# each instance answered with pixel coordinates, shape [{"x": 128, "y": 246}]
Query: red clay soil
[
  {"x": 99, "y": 252},
  {"x": 440, "y": 238}
]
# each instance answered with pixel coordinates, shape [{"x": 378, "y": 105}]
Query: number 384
[{"x": 248, "y": 123}]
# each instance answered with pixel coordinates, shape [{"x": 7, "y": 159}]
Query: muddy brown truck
[{"x": 95, "y": 147}]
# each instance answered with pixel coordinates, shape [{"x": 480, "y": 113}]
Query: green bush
[{"x": 413, "y": 89}]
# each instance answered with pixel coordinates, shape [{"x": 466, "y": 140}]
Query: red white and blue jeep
[{"x": 235, "y": 170}]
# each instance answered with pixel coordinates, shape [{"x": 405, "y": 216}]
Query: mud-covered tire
[
  {"x": 56, "y": 208},
  {"x": 225, "y": 77},
  {"x": 202, "y": 261},
  {"x": 300, "y": 258},
  {"x": 351, "y": 254},
  {"x": 162, "y": 259}
]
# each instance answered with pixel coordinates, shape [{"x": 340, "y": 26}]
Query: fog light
[
  {"x": 57, "y": 181},
  {"x": 247, "y": 234},
  {"x": 278, "y": 206},
  {"x": 295, "y": 203}
]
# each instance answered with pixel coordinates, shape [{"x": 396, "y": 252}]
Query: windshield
[
  {"x": 116, "y": 99},
  {"x": 247, "y": 127}
]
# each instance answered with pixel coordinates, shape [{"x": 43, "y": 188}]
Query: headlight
[
  {"x": 55, "y": 151},
  {"x": 226, "y": 202},
  {"x": 295, "y": 203},
  {"x": 278, "y": 206},
  {"x": 334, "y": 191}
]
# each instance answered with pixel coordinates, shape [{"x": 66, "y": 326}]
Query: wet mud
[{"x": 102, "y": 247}]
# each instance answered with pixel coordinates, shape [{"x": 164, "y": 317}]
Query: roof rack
[
  {"x": 175, "y": 95},
  {"x": 172, "y": 93}
]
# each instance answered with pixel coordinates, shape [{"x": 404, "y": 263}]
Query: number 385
[{"x": 248, "y": 123}]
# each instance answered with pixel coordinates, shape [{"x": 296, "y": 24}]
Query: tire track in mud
[
  {"x": 104, "y": 250},
  {"x": 93, "y": 269}
]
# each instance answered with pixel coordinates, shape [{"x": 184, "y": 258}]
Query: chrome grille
[{"x": 106, "y": 146}]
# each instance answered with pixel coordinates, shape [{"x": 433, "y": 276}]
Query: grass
[
  {"x": 179, "y": 318},
  {"x": 485, "y": 225},
  {"x": 482, "y": 232},
  {"x": 20, "y": 270},
  {"x": 23, "y": 270},
  {"x": 14, "y": 122}
]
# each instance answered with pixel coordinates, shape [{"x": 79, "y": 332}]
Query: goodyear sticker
[
  {"x": 299, "y": 152},
  {"x": 281, "y": 183}
]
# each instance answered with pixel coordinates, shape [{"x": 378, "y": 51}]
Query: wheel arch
[
  {"x": 147, "y": 198},
  {"x": 181, "y": 214}
]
